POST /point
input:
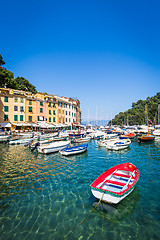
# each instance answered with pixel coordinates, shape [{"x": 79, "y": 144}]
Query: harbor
[{"x": 45, "y": 196}]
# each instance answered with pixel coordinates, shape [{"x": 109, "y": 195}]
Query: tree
[
  {"x": 1, "y": 60},
  {"x": 6, "y": 78},
  {"x": 23, "y": 84}
]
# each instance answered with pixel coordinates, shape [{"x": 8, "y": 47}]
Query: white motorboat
[
  {"x": 20, "y": 141},
  {"x": 53, "y": 147},
  {"x": 118, "y": 145},
  {"x": 81, "y": 140},
  {"x": 4, "y": 138}
]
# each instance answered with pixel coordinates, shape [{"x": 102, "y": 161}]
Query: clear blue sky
[{"x": 106, "y": 53}]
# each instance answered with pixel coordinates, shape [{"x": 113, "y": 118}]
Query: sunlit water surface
[{"x": 47, "y": 196}]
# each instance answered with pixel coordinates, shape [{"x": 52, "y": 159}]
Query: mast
[{"x": 147, "y": 117}]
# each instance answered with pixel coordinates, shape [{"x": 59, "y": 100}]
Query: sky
[{"x": 105, "y": 53}]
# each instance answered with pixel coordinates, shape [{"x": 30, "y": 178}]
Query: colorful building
[{"x": 20, "y": 109}]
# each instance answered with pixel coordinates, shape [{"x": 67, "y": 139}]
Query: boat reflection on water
[{"x": 116, "y": 213}]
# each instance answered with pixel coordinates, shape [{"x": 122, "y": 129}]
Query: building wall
[{"x": 27, "y": 107}]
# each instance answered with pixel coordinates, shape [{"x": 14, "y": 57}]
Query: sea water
[{"x": 47, "y": 196}]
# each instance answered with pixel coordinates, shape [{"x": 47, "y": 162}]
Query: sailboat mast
[{"x": 147, "y": 117}]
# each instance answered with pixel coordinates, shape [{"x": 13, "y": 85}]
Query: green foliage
[
  {"x": 23, "y": 84},
  {"x": 1, "y": 60},
  {"x": 136, "y": 115},
  {"x": 7, "y": 80}
]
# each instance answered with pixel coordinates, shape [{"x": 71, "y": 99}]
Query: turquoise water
[{"x": 47, "y": 196}]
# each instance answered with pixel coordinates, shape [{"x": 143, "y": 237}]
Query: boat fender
[
  {"x": 130, "y": 166},
  {"x": 42, "y": 150}
]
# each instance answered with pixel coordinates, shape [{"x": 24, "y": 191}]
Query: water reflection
[{"x": 115, "y": 213}]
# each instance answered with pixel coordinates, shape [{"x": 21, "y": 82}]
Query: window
[
  {"x": 29, "y": 109},
  {"x": 30, "y": 102},
  {"x": 49, "y": 112},
  {"x": 30, "y": 118},
  {"x": 59, "y": 110},
  {"x": 69, "y": 113},
  {"x": 5, "y": 117},
  {"x": 21, "y": 100},
  {"x": 69, "y": 119},
  {"x": 41, "y": 110},
  {"x": 15, "y": 117},
  {"x": 15, "y": 108},
  {"x": 49, "y": 104},
  {"x": 38, "y": 118},
  {"x": 21, "y": 117},
  {"x": 69, "y": 106},
  {"x": 6, "y": 109},
  {"x": 59, "y": 120},
  {"x": 54, "y": 112},
  {"x": 41, "y": 103},
  {"x": 5, "y": 99},
  {"x": 66, "y": 119},
  {"x": 21, "y": 109},
  {"x": 66, "y": 112},
  {"x": 54, "y": 119},
  {"x": 54, "y": 105},
  {"x": 72, "y": 114},
  {"x": 63, "y": 111},
  {"x": 15, "y": 99},
  {"x": 49, "y": 119}
]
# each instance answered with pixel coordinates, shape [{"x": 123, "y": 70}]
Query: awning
[{"x": 5, "y": 125}]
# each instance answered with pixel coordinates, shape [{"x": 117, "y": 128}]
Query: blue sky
[{"x": 105, "y": 53}]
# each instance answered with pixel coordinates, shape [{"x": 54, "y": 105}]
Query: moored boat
[
  {"x": 74, "y": 150},
  {"x": 118, "y": 145},
  {"x": 53, "y": 147},
  {"x": 20, "y": 141},
  {"x": 146, "y": 138},
  {"x": 84, "y": 139},
  {"x": 128, "y": 135},
  {"x": 116, "y": 183}
]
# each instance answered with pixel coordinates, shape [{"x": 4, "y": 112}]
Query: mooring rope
[{"x": 84, "y": 219}]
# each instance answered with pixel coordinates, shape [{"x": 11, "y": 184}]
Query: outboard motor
[{"x": 35, "y": 146}]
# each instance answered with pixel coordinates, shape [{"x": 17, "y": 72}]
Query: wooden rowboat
[
  {"x": 116, "y": 183},
  {"x": 146, "y": 138}
]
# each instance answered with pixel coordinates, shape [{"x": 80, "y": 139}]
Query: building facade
[{"x": 19, "y": 108}]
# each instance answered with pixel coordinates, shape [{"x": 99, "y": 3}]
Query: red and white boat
[
  {"x": 128, "y": 135},
  {"x": 116, "y": 183}
]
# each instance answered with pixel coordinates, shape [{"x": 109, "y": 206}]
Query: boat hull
[
  {"x": 146, "y": 138},
  {"x": 74, "y": 150},
  {"x": 51, "y": 148},
  {"x": 107, "y": 197}
]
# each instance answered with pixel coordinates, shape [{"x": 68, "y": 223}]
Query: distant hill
[{"x": 136, "y": 115}]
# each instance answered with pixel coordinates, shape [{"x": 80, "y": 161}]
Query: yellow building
[
  {"x": 51, "y": 108},
  {"x": 30, "y": 113},
  {"x": 12, "y": 106}
]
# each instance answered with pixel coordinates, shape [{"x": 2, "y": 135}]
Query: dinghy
[
  {"x": 74, "y": 150},
  {"x": 116, "y": 183},
  {"x": 53, "y": 147}
]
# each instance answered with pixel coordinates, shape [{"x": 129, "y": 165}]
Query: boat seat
[
  {"x": 115, "y": 182},
  {"x": 111, "y": 187},
  {"x": 123, "y": 175}
]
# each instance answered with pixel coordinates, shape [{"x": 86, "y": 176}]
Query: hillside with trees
[
  {"x": 7, "y": 80},
  {"x": 136, "y": 115}
]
